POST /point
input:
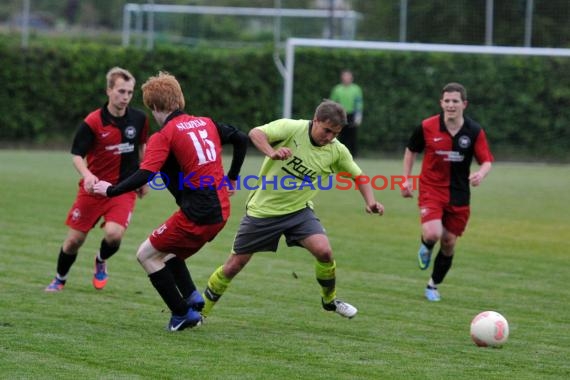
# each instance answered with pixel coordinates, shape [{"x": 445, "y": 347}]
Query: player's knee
[
  {"x": 448, "y": 245},
  {"x": 144, "y": 252},
  {"x": 140, "y": 257},
  {"x": 114, "y": 233},
  {"x": 324, "y": 254},
  {"x": 431, "y": 236},
  {"x": 114, "y": 238},
  {"x": 72, "y": 244}
]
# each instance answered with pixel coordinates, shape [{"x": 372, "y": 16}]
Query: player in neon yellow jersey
[{"x": 302, "y": 152}]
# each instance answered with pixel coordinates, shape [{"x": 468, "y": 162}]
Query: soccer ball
[{"x": 489, "y": 329}]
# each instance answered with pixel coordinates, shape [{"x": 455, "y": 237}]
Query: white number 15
[{"x": 205, "y": 148}]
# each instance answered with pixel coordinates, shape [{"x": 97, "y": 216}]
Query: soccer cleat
[
  {"x": 100, "y": 275},
  {"x": 432, "y": 294},
  {"x": 424, "y": 257},
  {"x": 180, "y": 322},
  {"x": 341, "y": 308},
  {"x": 55, "y": 286},
  {"x": 195, "y": 301}
]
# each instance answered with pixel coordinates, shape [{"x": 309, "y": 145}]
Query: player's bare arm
[
  {"x": 409, "y": 158},
  {"x": 259, "y": 139},
  {"x": 476, "y": 178},
  {"x": 88, "y": 178},
  {"x": 372, "y": 205}
]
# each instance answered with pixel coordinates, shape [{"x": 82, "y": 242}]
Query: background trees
[{"x": 429, "y": 21}]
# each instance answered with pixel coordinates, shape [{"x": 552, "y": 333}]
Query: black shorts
[{"x": 263, "y": 234}]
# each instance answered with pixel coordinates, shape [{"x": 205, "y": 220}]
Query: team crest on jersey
[
  {"x": 464, "y": 141},
  {"x": 130, "y": 132}
]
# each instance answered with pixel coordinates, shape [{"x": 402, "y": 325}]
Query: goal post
[
  {"x": 348, "y": 18},
  {"x": 293, "y": 43}
]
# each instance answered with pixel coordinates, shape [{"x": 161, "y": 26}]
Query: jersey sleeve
[
  {"x": 334, "y": 94},
  {"x": 156, "y": 153},
  {"x": 482, "y": 151},
  {"x": 280, "y": 130},
  {"x": 83, "y": 140},
  {"x": 358, "y": 100},
  {"x": 136, "y": 180},
  {"x": 345, "y": 163},
  {"x": 231, "y": 135},
  {"x": 417, "y": 143}
]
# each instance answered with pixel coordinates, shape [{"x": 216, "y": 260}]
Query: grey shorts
[{"x": 263, "y": 234}]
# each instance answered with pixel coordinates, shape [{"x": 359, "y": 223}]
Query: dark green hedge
[
  {"x": 523, "y": 102},
  {"x": 46, "y": 92}
]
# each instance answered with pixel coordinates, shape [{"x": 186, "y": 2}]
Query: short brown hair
[
  {"x": 332, "y": 112},
  {"x": 455, "y": 87},
  {"x": 118, "y": 72},
  {"x": 163, "y": 93}
]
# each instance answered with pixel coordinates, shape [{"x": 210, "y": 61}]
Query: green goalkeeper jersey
[
  {"x": 350, "y": 97},
  {"x": 286, "y": 186}
]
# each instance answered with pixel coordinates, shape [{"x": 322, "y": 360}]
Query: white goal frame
[
  {"x": 348, "y": 18},
  {"x": 292, "y": 43}
]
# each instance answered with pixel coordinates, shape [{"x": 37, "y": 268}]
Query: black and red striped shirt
[
  {"x": 111, "y": 144},
  {"x": 447, "y": 159}
]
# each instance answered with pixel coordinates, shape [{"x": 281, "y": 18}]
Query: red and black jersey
[
  {"x": 447, "y": 159},
  {"x": 188, "y": 149},
  {"x": 111, "y": 144}
]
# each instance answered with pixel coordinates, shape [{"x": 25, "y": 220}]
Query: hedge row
[
  {"x": 47, "y": 91},
  {"x": 523, "y": 102}
]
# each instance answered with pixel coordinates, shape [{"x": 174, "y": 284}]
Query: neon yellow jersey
[{"x": 287, "y": 186}]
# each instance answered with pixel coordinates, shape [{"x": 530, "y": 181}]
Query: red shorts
[
  {"x": 453, "y": 218},
  {"x": 88, "y": 209},
  {"x": 183, "y": 237}
]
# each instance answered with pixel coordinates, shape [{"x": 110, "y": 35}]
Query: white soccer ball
[{"x": 489, "y": 329}]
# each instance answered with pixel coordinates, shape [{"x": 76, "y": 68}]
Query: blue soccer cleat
[
  {"x": 424, "y": 257},
  {"x": 432, "y": 294},
  {"x": 195, "y": 301},
  {"x": 180, "y": 322},
  {"x": 55, "y": 286},
  {"x": 100, "y": 276}
]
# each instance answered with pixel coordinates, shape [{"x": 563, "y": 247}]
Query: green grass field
[{"x": 514, "y": 258}]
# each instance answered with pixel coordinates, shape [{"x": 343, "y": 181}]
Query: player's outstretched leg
[
  {"x": 340, "y": 307},
  {"x": 217, "y": 285},
  {"x": 326, "y": 277}
]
